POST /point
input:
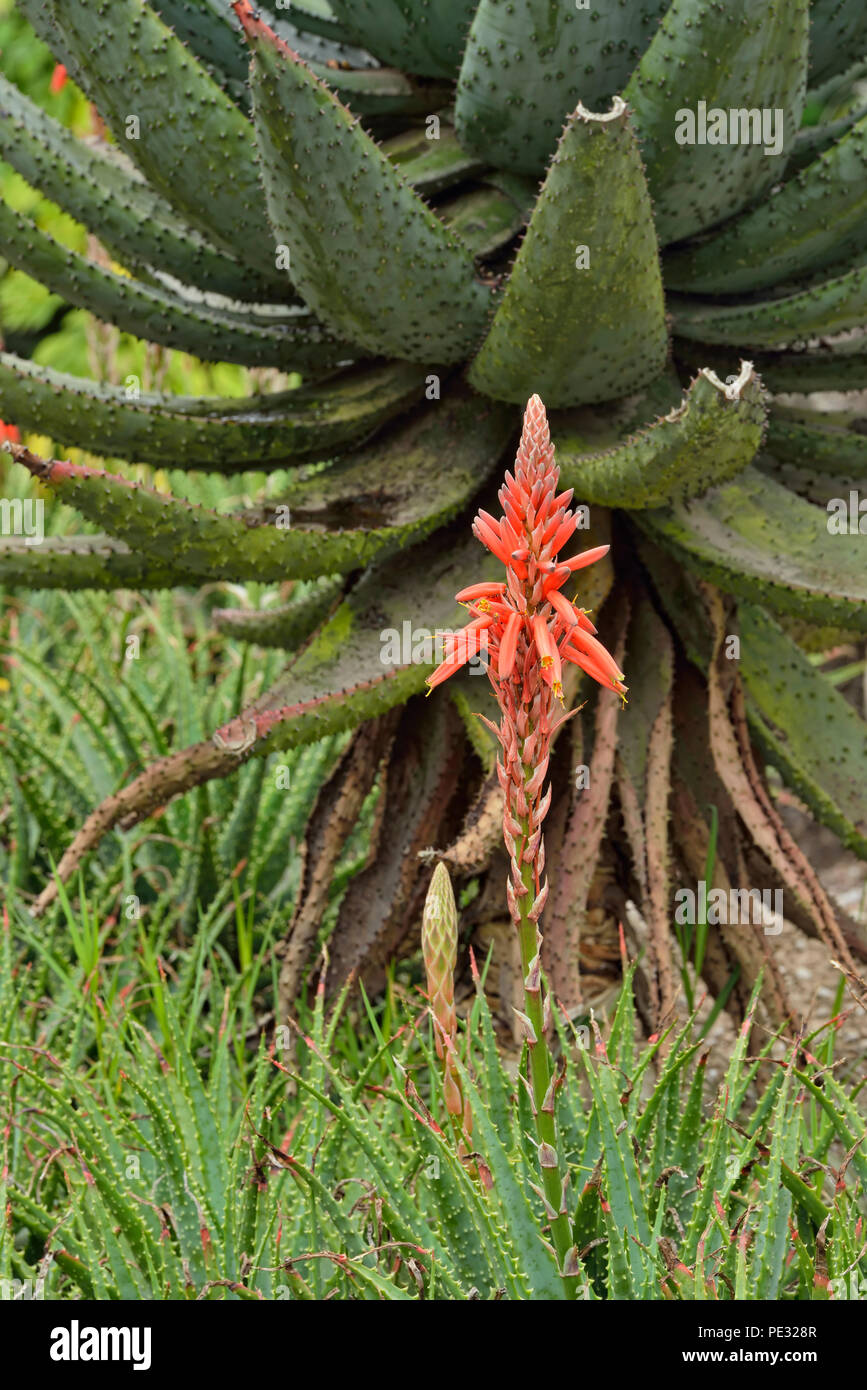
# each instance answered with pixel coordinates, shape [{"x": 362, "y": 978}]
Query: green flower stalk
[{"x": 528, "y": 628}]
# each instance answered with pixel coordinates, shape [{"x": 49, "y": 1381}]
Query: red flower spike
[{"x": 529, "y": 628}]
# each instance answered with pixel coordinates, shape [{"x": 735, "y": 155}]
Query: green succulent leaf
[
  {"x": 716, "y": 58},
  {"x": 199, "y": 151},
  {"x": 366, "y": 253},
  {"x": 813, "y": 140},
  {"x": 213, "y": 32},
  {"x": 841, "y": 366},
  {"x": 431, "y": 164},
  {"x": 838, "y": 31},
  {"x": 205, "y": 432},
  {"x": 825, "y": 441},
  {"x": 424, "y": 36},
  {"x": 286, "y": 626},
  {"x": 488, "y": 217},
  {"x": 528, "y": 64},
  {"x": 818, "y": 218},
  {"x": 313, "y": 17},
  {"x": 424, "y": 472},
  {"x": 709, "y": 437},
  {"x": 163, "y": 315},
  {"x": 589, "y": 259},
  {"x": 350, "y": 671},
  {"x": 82, "y": 562},
  {"x": 756, "y": 539},
  {"x": 805, "y": 727},
  {"x": 93, "y": 186},
  {"x": 826, "y": 308}
]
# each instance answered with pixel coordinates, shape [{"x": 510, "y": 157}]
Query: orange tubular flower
[
  {"x": 535, "y": 526},
  {"x": 530, "y": 629}
]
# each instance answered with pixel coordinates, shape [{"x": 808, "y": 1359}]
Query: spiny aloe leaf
[
  {"x": 818, "y": 218},
  {"x": 726, "y": 57},
  {"x": 829, "y": 441},
  {"x": 838, "y": 33},
  {"x": 805, "y": 727},
  {"x": 200, "y": 152},
  {"x": 337, "y": 807},
  {"x": 424, "y": 36},
  {"x": 130, "y": 219},
  {"x": 286, "y": 626},
  {"x": 205, "y": 432},
  {"x": 758, "y": 540},
  {"x": 708, "y": 438},
  {"x": 597, "y": 428},
  {"x": 364, "y": 250},
  {"x": 213, "y": 33},
  {"x": 209, "y": 32},
  {"x": 528, "y": 64},
  {"x": 424, "y": 472},
  {"x": 311, "y": 44},
  {"x": 565, "y": 914},
  {"x": 428, "y": 163},
  {"x": 622, "y": 1178},
  {"x": 644, "y": 778},
  {"x": 831, "y": 490},
  {"x": 841, "y": 366},
  {"x": 538, "y": 1265},
  {"x": 82, "y": 562},
  {"x": 381, "y": 91},
  {"x": 161, "y": 315},
  {"x": 345, "y": 674},
  {"x": 589, "y": 258},
  {"x": 419, "y": 784},
  {"x": 770, "y": 1244},
  {"x": 313, "y": 17},
  {"x": 829, "y": 307},
  {"x": 487, "y": 218},
  {"x": 813, "y": 140}
]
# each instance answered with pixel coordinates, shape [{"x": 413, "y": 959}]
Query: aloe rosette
[{"x": 432, "y": 210}]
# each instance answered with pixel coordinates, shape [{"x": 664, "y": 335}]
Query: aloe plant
[{"x": 427, "y": 248}]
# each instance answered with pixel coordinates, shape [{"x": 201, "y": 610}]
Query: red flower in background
[
  {"x": 58, "y": 78},
  {"x": 10, "y": 432}
]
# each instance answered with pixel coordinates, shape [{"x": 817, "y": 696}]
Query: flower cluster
[
  {"x": 525, "y": 624},
  {"x": 529, "y": 628}
]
